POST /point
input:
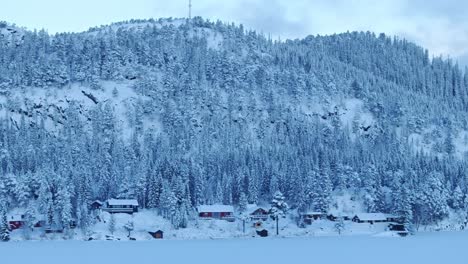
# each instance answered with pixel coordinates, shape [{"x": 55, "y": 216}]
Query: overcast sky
[{"x": 439, "y": 25}]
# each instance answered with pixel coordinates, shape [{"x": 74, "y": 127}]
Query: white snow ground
[{"x": 425, "y": 248}]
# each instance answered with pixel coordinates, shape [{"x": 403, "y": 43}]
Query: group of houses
[
  {"x": 226, "y": 212},
  {"x": 395, "y": 222},
  {"x": 17, "y": 220},
  {"x": 253, "y": 213},
  {"x": 361, "y": 218}
]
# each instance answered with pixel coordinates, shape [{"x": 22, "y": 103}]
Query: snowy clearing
[{"x": 443, "y": 247}]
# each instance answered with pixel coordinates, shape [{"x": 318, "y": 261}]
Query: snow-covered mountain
[{"x": 180, "y": 113}]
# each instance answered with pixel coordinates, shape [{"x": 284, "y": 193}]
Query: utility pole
[
  {"x": 190, "y": 10},
  {"x": 277, "y": 229}
]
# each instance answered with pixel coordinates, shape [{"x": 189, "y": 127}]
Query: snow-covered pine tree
[
  {"x": 205, "y": 98},
  {"x": 129, "y": 227},
  {"x": 279, "y": 207},
  {"x": 4, "y": 230},
  {"x": 243, "y": 203},
  {"x": 458, "y": 199},
  {"x": 340, "y": 225}
]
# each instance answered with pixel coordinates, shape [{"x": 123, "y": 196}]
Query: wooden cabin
[
  {"x": 221, "y": 212},
  {"x": 309, "y": 217},
  {"x": 337, "y": 217},
  {"x": 400, "y": 229},
  {"x": 16, "y": 221},
  {"x": 396, "y": 218},
  {"x": 370, "y": 218},
  {"x": 96, "y": 205},
  {"x": 258, "y": 214},
  {"x": 127, "y": 206}
]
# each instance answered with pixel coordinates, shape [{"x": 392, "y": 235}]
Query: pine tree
[
  {"x": 458, "y": 199},
  {"x": 129, "y": 227},
  {"x": 4, "y": 231},
  {"x": 340, "y": 225},
  {"x": 243, "y": 203},
  {"x": 279, "y": 207}
]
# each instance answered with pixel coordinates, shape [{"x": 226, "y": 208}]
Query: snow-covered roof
[
  {"x": 122, "y": 202},
  {"x": 253, "y": 207},
  {"x": 372, "y": 216},
  {"x": 15, "y": 217},
  {"x": 18, "y": 214},
  {"x": 313, "y": 213},
  {"x": 216, "y": 208}
]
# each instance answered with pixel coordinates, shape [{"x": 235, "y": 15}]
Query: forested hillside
[{"x": 181, "y": 113}]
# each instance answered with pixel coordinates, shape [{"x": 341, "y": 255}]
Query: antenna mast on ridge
[{"x": 190, "y": 10}]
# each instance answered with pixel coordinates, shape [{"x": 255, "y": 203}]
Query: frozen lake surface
[{"x": 440, "y": 247}]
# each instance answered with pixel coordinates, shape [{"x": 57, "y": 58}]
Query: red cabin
[
  {"x": 16, "y": 222},
  {"x": 222, "y": 212}
]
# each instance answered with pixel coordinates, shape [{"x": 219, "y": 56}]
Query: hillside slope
[{"x": 180, "y": 113}]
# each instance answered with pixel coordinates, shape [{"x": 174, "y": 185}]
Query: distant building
[
  {"x": 400, "y": 229},
  {"x": 16, "y": 221},
  {"x": 396, "y": 218},
  {"x": 337, "y": 217},
  {"x": 371, "y": 218},
  {"x": 309, "y": 217},
  {"x": 96, "y": 205},
  {"x": 128, "y": 206},
  {"x": 222, "y": 212},
  {"x": 257, "y": 213}
]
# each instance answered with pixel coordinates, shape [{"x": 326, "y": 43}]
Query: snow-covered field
[{"x": 425, "y": 248}]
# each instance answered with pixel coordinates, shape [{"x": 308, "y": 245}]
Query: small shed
[
  {"x": 263, "y": 233},
  {"x": 128, "y": 206},
  {"x": 96, "y": 205},
  {"x": 371, "y": 218},
  {"x": 222, "y": 212},
  {"x": 157, "y": 235},
  {"x": 400, "y": 229}
]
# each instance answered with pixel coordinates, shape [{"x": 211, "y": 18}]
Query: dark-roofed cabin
[
  {"x": 400, "y": 229},
  {"x": 396, "y": 218},
  {"x": 370, "y": 218},
  {"x": 128, "y": 206},
  {"x": 309, "y": 217},
  {"x": 335, "y": 218},
  {"x": 259, "y": 214},
  {"x": 96, "y": 205}
]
